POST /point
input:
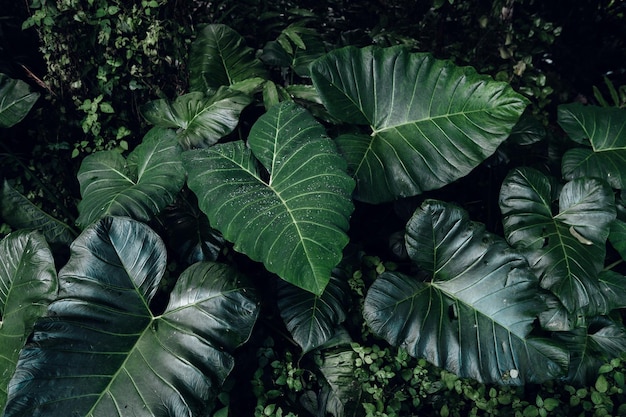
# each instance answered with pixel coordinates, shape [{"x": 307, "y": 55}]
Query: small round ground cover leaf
[
  {"x": 475, "y": 314},
  {"x": 101, "y": 352},
  {"x": 431, "y": 121},
  {"x": 295, "y": 221},
  {"x": 138, "y": 187},
  {"x": 28, "y": 283}
]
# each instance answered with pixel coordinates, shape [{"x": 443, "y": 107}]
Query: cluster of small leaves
[{"x": 102, "y": 57}]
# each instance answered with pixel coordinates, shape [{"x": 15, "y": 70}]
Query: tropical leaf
[
  {"x": 592, "y": 346},
  {"x": 101, "y": 352},
  {"x": 28, "y": 282},
  {"x": 189, "y": 234},
  {"x": 345, "y": 391},
  {"x": 20, "y": 213},
  {"x": 139, "y": 187},
  {"x": 219, "y": 57},
  {"x": 313, "y": 319},
  {"x": 474, "y": 316},
  {"x": 16, "y": 100},
  {"x": 604, "y": 129},
  {"x": 201, "y": 121},
  {"x": 431, "y": 122},
  {"x": 565, "y": 250},
  {"x": 296, "y": 48},
  {"x": 295, "y": 222}
]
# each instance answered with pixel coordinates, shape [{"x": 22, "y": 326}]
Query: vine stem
[{"x": 613, "y": 265}]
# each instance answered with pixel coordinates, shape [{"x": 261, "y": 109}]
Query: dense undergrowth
[{"x": 242, "y": 180}]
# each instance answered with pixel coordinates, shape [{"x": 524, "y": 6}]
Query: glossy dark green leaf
[
  {"x": 313, "y": 319},
  {"x": 200, "y": 120},
  {"x": 101, "y": 352},
  {"x": 592, "y": 346},
  {"x": 431, "y": 122},
  {"x": 295, "y": 221},
  {"x": 219, "y": 57},
  {"x": 189, "y": 234},
  {"x": 20, "y": 213},
  {"x": 138, "y": 187},
  {"x": 475, "y": 314},
  {"x": 566, "y": 250},
  {"x": 16, "y": 100},
  {"x": 603, "y": 132},
  {"x": 28, "y": 282},
  {"x": 338, "y": 368},
  {"x": 296, "y": 48}
]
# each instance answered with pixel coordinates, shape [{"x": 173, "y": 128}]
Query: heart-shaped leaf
[
  {"x": 139, "y": 187},
  {"x": 431, "y": 122},
  {"x": 295, "y": 222},
  {"x": 313, "y": 319},
  {"x": 475, "y": 314},
  {"x": 566, "y": 250},
  {"x": 592, "y": 346},
  {"x": 605, "y": 130},
  {"x": 101, "y": 352},
  {"x": 201, "y": 121},
  {"x": 20, "y": 213},
  {"x": 16, "y": 100},
  {"x": 28, "y": 282},
  {"x": 219, "y": 57}
]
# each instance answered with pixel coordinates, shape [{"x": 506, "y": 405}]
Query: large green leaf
[
  {"x": 566, "y": 250},
  {"x": 20, "y": 213},
  {"x": 219, "y": 57},
  {"x": 16, "y": 100},
  {"x": 101, "y": 352},
  {"x": 295, "y": 222},
  {"x": 201, "y": 121},
  {"x": 475, "y": 314},
  {"x": 313, "y": 319},
  {"x": 139, "y": 187},
  {"x": 605, "y": 130},
  {"x": 431, "y": 122},
  {"x": 591, "y": 346},
  {"x": 28, "y": 282}
]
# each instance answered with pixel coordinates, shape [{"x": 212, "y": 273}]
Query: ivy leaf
[
  {"x": 431, "y": 122},
  {"x": 201, "y": 121},
  {"x": 565, "y": 250},
  {"x": 28, "y": 283},
  {"x": 475, "y": 314},
  {"x": 139, "y": 187},
  {"x": 295, "y": 221}
]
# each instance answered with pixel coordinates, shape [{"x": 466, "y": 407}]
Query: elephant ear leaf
[
  {"x": 139, "y": 187},
  {"x": 16, "y": 100},
  {"x": 475, "y": 314},
  {"x": 21, "y": 213},
  {"x": 602, "y": 131},
  {"x": 431, "y": 122},
  {"x": 566, "y": 250},
  {"x": 313, "y": 319},
  {"x": 101, "y": 352},
  {"x": 200, "y": 121},
  {"x": 284, "y": 200},
  {"x": 28, "y": 282},
  {"x": 219, "y": 57}
]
